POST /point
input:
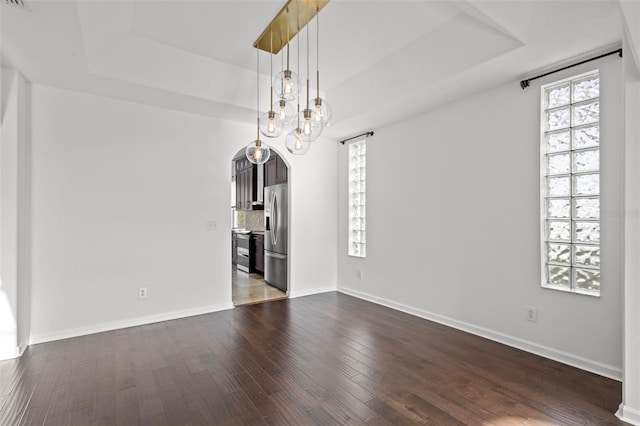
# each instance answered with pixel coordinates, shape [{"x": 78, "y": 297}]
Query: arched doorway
[{"x": 260, "y": 226}]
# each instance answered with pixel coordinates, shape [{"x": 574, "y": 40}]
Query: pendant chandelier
[{"x": 301, "y": 126}]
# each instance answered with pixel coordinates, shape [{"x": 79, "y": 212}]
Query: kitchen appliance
[
  {"x": 276, "y": 221},
  {"x": 243, "y": 251}
]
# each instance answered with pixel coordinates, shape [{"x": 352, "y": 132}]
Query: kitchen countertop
[
  {"x": 245, "y": 231},
  {"x": 240, "y": 231}
]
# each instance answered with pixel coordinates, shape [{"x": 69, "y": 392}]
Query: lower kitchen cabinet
[
  {"x": 258, "y": 253},
  {"x": 234, "y": 249}
]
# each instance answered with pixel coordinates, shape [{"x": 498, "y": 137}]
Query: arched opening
[{"x": 260, "y": 229}]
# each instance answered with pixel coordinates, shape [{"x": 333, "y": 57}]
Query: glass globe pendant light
[
  {"x": 322, "y": 108},
  {"x": 285, "y": 110},
  {"x": 294, "y": 141},
  {"x": 323, "y": 111},
  {"x": 295, "y": 144},
  {"x": 272, "y": 123},
  {"x": 287, "y": 83},
  {"x": 258, "y": 152},
  {"x": 310, "y": 124}
]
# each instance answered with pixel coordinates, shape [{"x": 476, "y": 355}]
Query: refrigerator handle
[
  {"x": 275, "y": 255},
  {"x": 274, "y": 213},
  {"x": 271, "y": 218}
]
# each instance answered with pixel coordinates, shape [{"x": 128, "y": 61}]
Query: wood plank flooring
[
  {"x": 327, "y": 359},
  {"x": 248, "y": 289}
]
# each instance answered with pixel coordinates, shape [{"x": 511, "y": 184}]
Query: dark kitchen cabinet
[
  {"x": 275, "y": 170},
  {"x": 281, "y": 170},
  {"x": 258, "y": 253},
  {"x": 244, "y": 187},
  {"x": 248, "y": 184},
  {"x": 248, "y": 188},
  {"x": 270, "y": 171},
  {"x": 239, "y": 189},
  {"x": 234, "y": 249}
]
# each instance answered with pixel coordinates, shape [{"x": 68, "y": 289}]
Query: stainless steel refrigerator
[{"x": 276, "y": 221}]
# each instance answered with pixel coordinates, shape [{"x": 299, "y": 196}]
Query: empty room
[{"x": 320, "y": 212}]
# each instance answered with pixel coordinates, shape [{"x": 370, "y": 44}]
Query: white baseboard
[
  {"x": 628, "y": 414},
  {"x": 609, "y": 371},
  {"x": 132, "y": 322},
  {"x": 317, "y": 290}
]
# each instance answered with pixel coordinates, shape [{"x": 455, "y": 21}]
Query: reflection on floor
[{"x": 247, "y": 289}]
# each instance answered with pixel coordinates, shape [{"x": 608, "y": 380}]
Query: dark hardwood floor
[{"x": 326, "y": 359}]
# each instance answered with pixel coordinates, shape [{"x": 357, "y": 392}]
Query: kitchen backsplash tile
[{"x": 251, "y": 220}]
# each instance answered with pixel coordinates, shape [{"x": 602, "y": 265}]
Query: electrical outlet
[
  {"x": 532, "y": 314},
  {"x": 212, "y": 225},
  {"x": 359, "y": 274},
  {"x": 142, "y": 292}
]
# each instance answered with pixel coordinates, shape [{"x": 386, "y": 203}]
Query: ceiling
[{"x": 380, "y": 60}]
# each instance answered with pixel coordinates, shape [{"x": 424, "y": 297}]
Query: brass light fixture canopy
[{"x": 295, "y": 14}]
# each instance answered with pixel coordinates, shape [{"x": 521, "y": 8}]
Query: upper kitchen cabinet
[
  {"x": 275, "y": 170},
  {"x": 249, "y": 184}
]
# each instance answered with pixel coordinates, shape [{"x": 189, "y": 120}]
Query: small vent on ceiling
[{"x": 17, "y": 3}]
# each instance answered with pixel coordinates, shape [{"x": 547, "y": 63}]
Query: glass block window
[
  {"x": 357, "y": 198},
  {"x": 571, "y": 184}
]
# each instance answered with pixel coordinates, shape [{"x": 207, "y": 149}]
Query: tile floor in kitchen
[{"x": 247, "y": 289}]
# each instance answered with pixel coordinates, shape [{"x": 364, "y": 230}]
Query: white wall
[
  {"x": 453, "y": 224},
  {"x": 630, "y": 407},
  {"x": 8, "y": 216},
  {"x": 14, "y": 214},
  {"x": 121, "y": 197},
  {"x": 312, "y": 182}
]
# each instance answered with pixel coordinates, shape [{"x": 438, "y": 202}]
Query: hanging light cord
[
  {"x": 317, "y": 50},
  {"x": 298, "y": 59},
  {"x": 258, "y": 143},
  {"x": 307, "y": 66},
  {"x": 271, "y": 72},
  {"x": 289, "y": 38}
]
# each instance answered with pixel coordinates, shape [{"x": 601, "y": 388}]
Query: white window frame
[
  {"x": 357, "y": 240},
  {"x": 573, "y": 265}
]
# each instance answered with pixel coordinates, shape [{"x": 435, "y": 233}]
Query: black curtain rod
[
  {"x": 356, "y": 136},
  {"x": 525, "y": 83}
]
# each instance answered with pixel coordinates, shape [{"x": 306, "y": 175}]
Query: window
[
  {"x": 571, "y": 184},
  {"x": 357, "y": 198}
]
